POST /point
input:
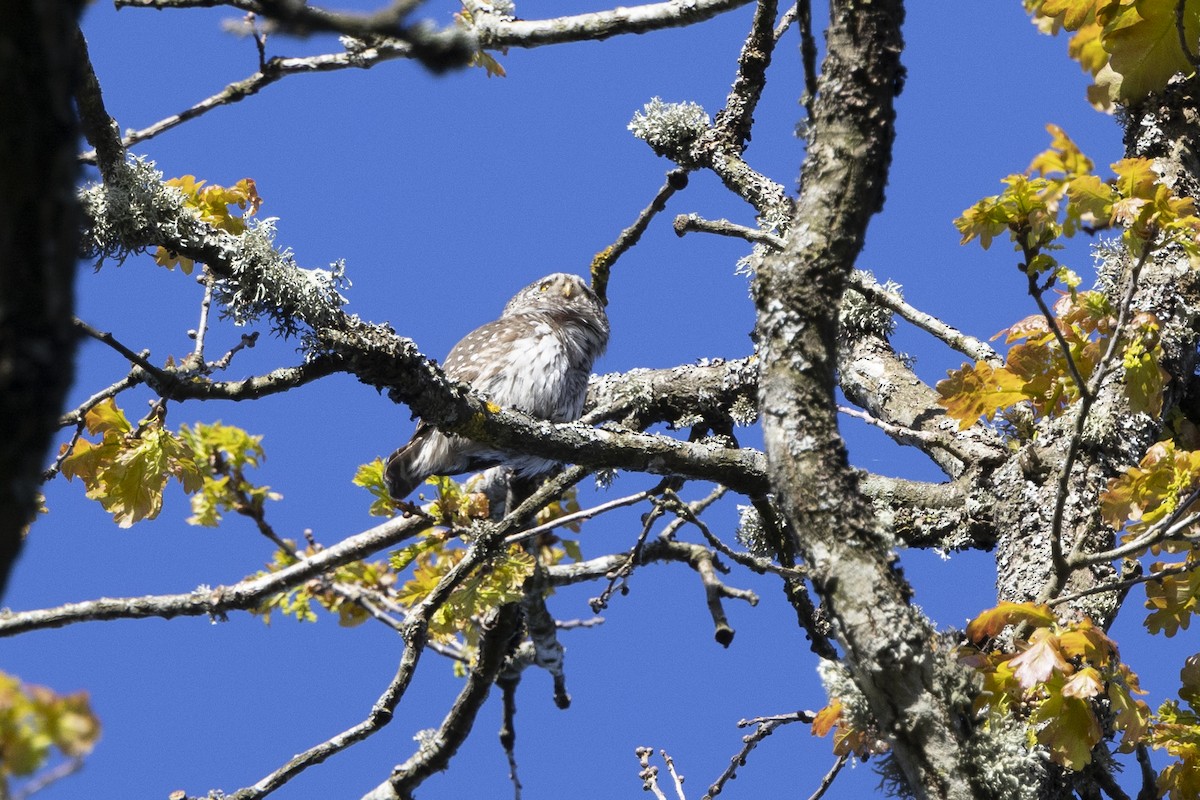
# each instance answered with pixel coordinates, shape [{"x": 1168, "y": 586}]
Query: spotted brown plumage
[{"x": 535, "y": 358}]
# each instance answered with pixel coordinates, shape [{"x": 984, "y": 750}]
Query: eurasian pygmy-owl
[{"x": 535, "y": 358}]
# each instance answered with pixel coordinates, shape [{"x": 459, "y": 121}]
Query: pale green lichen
[
  {"x": 670, "y": 128},
  {"x": 136, "y": 210}
]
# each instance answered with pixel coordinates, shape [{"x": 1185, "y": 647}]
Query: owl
[{"x": 535, "y": 358}]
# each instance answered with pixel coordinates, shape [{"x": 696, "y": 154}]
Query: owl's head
[{"x": 561, "y": 291}]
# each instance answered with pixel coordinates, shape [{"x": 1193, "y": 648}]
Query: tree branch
[
  {"x": 797, "y": 294},
  {"x": 216, "y": 602}
]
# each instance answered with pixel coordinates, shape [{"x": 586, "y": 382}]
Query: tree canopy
[{"x": 818, "y": 512}]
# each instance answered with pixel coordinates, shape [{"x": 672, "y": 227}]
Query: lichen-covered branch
[{"x": 889, "y": 645}]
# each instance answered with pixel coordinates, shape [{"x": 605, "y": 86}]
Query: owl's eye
[{"x": 543, "y": 287}]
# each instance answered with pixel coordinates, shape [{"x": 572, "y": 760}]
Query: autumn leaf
[
  {"x": 1070, "y": 730},
  {"x": 1144, "y": 46},
  {"x": 1085, "y": 683},
  {"x": 979, "y": 390},
  {"x": 1041, "y": 660},
  {"x": 826, "y": 718},
  {"x": 989, "y": 624},
  {"x": 1172, "y": 601}
]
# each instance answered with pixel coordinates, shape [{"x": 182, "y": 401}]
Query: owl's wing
[{"x": 487, "y": 349}]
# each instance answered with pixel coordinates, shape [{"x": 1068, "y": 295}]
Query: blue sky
[{"x": 444, "y": 196}]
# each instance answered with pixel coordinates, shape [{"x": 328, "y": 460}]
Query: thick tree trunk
[
  {"x": 39, "y": 230},
  {"x": 890, "y": 648}
]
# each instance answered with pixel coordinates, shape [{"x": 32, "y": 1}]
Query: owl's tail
[{"x": 408, "y": 467}]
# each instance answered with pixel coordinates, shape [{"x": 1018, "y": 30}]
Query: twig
[
  {"x": 1115, "y": 586},
  {"x": 576, "y": 516},
  {"x": 808, "y": 54},
  {"x": 827, "y": 781},
  {"x": 963, "y": 343},
  {"x": 689, "y": 512},
  {"x": 216, "y": 602},
  {"x": 272, "y": 71},
  {"x": 603, "y": 261},
  {"x": 47, "y": 778},
  {"x": 676, "y": 778},
  {"x": 508, "y": 682},
  {"x": 1181, "y": 29},
  {"x": 415, "y": 637},
  {"x": 1149, "y": 790},
  {"x": 928, "y": 437},
  {"x": 63, "y": 454},
  {"x": 436, "y": 750},
  {"x": 765, "y": 726},
  {"x": 600, "y": 603},
  {"x": 76, "y": 415},
  {"x": 1062, "y": 569},
  {"x": 202, "y": 327},
  {"x": 649, "y": 773},
  {"x": 695, "y": 508},
  {"x": 1035, "y": 291},
  {"x": 248, "y": 340},
  {"x": 380, "y": 715},
  {"x": 110, "y": 340},
  {"x": 1166, "y": 528},
  {"x": 688, "y": 223},
  {"x": 786, "y": 21}
]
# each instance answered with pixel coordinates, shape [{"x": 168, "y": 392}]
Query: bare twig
[
  {"x": 63, "y": 454},
  {"x": 649, "y": 772},
  {"x": 808, "y": 54},
  {"x": 603, "y": 262},
  {"x": 576, "y": 516},
  {"x": 827, "y": 781},
  {"x": 1166, "y": 528},
  {"x": 202, "y": 327},
  {"x": 965, "y": 344},
  {"x": 1116, "y": 586},
  {"x": 765, "y": 726},
  {"x": 688, "y": 223},
  {"x": 107, "y": 338},
  {"x": 48, "y": 778},
  {"x": 217, "y": 602},
  {"x": 620, "y": 575},
  {"x": 1181, "y": 29},
  {"x": 1062, "y": 569},
  {"x": 786, "y": 21}
]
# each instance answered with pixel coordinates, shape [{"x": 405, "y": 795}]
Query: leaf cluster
[
  {"x": 1037, "y": 371},
  {"x": 1130, "y": 47},
  {"x": 1177, "y": 730},
  {"x": 34, "y": 720},
  {"x": 1066, "y": 682},
  {"x": 212, "y": 205},
  {"x": 337, "y": 592},
  {"x": 1059, "y": 195},
  {"x": 127, "y": 468},
  {"x": 1141, "y": 501}
]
